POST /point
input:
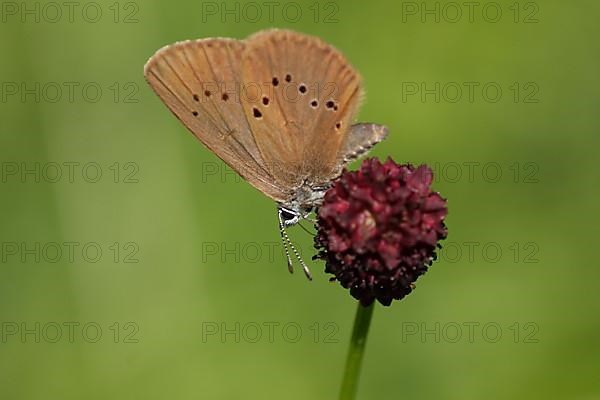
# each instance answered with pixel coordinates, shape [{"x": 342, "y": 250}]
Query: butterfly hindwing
[{"x": 359, "y": 140}]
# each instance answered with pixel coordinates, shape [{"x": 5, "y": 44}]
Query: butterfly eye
[
  {"x": 257, "y": 114},
  {"x": 338, "y": 125},
  {"x": 265, "y": 100},
  {"x": 329, "y": 104},
  {"x": 302, "y": 88},
  {"x": 287, "y": 216},
  {"x": 314, "y": 103}
]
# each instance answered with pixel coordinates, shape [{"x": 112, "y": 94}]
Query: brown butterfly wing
[
  {"x": 312, "y": 94},
  {"x": 199, "y": 81},
  {"x": 359, "y": 140}
]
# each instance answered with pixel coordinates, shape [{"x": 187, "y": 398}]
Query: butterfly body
[
  {"x": 304, "y": 199},
  {"x": 277, "y": 107}
]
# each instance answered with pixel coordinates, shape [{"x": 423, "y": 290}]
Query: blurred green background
[{"x": 190, "y": 297}]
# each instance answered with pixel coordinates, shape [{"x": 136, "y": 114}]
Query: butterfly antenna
[
  {"x": 300, "y": 260},
  {"x": 286, "y": 240},
  {"x": 283, "y": 241}
]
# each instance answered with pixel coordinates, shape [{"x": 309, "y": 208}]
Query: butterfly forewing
[
  {"x": 309, "y": 97},
  {"x": 200, "y": 83}
]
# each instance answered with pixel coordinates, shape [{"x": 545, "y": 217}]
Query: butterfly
[{"x": 277, "y": 107}]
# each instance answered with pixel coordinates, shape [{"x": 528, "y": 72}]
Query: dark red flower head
[{"x": 378, "y": 229}]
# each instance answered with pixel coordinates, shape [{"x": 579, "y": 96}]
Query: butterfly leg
[{"x": 306, "y": 217}]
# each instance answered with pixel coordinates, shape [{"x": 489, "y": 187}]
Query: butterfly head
[
  {"x": 305, "y": 199},
  {"x": 288, "y": 216}
]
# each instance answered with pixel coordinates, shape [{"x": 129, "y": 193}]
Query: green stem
[{"x": 362, "y": 321}]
